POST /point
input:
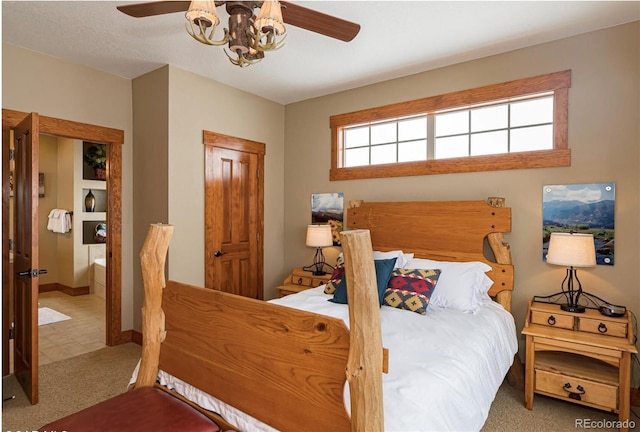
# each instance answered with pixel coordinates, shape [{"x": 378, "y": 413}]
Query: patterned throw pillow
[
  {"x": 411, "y": 289},
  {"x": 336, "y": 277}
]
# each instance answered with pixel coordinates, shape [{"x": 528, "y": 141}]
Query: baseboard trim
[
  {"x": 49, "y": 287},
  {"x": 124, "y": 337},
  {"x": 136, "y": 337},
  {"x": 64, "y": 289},
  {"x": 635, "y": 397}
]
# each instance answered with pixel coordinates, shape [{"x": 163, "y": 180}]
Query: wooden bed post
[
  {"x": 502, "y": 252},
  {"x": 152, "y": 258},
  {"x": 365, "y": 363}
]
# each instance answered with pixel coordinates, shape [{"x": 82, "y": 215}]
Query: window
[
  {"x": 402, "y": 140},
  {"x": 514, "y": 125}
]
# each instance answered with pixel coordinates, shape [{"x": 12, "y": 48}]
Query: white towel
[{"x": 59, "y": 221}]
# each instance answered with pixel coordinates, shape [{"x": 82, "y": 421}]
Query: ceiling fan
[{"x": 248, "y": 35}]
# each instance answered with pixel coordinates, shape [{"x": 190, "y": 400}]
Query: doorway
[
  {"x": 114, "y": 140},
  {"x": 71, "y": 304}
]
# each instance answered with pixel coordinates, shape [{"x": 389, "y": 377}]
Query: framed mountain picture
[{"x": 581, "y": 208}]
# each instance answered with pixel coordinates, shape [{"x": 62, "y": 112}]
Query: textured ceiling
[{"x": 397, "y": 38}]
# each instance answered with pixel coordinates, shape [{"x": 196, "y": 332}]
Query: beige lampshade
[
  {"x": 203, "y": 12},
  {"x": 270, "y": 16},
  {"x": 571, "y": 250},
  {"x": 319, "y": 236}
]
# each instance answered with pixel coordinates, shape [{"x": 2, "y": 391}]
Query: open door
[{"x": 25, "y": 255}]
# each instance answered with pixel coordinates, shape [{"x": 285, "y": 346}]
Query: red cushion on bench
[{"x": 141, "y": 410}]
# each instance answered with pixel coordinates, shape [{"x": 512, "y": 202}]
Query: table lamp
[
  {"x": 318, "y": 236},
  {"x": 572, "y": 250}
]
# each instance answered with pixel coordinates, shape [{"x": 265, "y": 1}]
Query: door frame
[
  {"x": 214, "y": 139},
  {"x": 114, "y": 138}
]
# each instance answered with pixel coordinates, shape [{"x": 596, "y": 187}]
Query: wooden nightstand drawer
[
  {"x": 285, "y": 290},
  {"x": 605, "y": 327},
  {"x": 552, "y": 319},
  {"x": 577, "y": 389},
  {"x": 295, "y": 279},
  {"x": 317, "y": 282},
  {"x": 300, "y": 280}
]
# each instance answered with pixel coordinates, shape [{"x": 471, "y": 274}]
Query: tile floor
[{"x": 83, "y": 333}]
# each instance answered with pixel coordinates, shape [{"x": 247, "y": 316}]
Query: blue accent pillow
[{"x": 384, "y": 268}]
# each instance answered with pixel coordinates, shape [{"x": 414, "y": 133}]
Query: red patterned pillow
[
  {"x": 411, "y": 289},
  {"x": 336, "y": 277}
]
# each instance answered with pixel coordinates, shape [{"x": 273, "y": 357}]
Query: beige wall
[
  {"x": 65, "y": 183},
  {"x": 197, "y": 104},
  {"x": 603, "y": 137},
  {"x": 47, "y": 240},
  {"x": 150, "y": 164},
  {"x": 33, "y": 82},
  {"x": 172, "y": 108}
]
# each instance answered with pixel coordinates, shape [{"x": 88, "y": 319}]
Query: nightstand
[
  {"x": 300, "y": 280},
  {"x": 584, "y": 358}
]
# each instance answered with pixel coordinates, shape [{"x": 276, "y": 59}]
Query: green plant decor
[{"x": 96, "y": 156}]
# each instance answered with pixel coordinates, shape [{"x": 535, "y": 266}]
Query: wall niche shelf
[
  {"x": 94, "y": 159},
  {"x": 100, "y": 196},
  {"x": 93, "y": 231}
]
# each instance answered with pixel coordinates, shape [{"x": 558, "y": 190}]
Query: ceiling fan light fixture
[
  {"x": 267, "y": 26},
  {"x": 203, "y": 13},
  {"x": 253, "y": 34},
  {"x": 270, "y": 18},
  {"x": 238, "y": 37},
  {"x": 202, "y": 20}
]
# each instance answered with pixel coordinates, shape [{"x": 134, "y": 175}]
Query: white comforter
[{"x": 445, "y": 367}]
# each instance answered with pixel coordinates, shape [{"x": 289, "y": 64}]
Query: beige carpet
[
  {"x": 70, "y": 385},
  {"x": 508, "y": 414}
]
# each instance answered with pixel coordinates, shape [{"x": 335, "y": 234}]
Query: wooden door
[
  {"x": 7, "y": 267},
  {"x": 25, "y": 255},
  {"x": 234, "y": 215},
  {"x": 114, "y": 138}
]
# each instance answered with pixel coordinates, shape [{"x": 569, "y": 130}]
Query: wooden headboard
[{"x": 445, "y": 231}]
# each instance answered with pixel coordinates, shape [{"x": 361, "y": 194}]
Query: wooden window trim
[{"x": 559, "y": 156}]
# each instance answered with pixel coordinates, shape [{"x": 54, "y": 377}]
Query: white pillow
[
  {"x": 401, "y": 261},
  {"x": 461, "y": 286},
  {"x": 402, "y": 258}
]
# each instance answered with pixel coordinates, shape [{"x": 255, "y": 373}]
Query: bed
[{"x": 306, "y": 363}]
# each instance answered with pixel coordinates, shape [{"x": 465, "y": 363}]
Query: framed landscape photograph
[
  {"x": 328, "y": 208},
  {"x": 581, "y": 208}
]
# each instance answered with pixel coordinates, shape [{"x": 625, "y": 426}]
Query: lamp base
[{"x": 572, "y": 308}]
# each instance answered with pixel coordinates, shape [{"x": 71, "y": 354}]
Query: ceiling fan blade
[
  {"x": 318, "y": 22},
  {"x": 292, "y": 14},
  {"x": 140, "y": 10}
]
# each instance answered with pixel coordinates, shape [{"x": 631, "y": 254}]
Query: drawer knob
[
  {"x": 300, "y": 281},
  {"x": 574, "y": 394},
  {"x": 551, "y": 320},
  {"x": 602, "y": 328}
]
